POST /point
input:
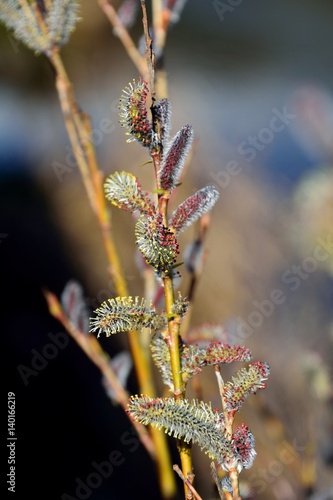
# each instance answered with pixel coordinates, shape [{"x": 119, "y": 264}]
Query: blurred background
[{"x": 255, "y": 81}]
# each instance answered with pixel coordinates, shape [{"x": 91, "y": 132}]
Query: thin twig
[
  {"x": 228, "y": 422},
  {"x": 150, "y": 55},
  {"x": 174, "y": 320},
  {"x": 79, "y": 132},
  {"x": 184, "y": 448},
  {"x": 187, "y": 482},
  {"x": 124, "y": 37},
  {"x": 234, "y": 478},
  {"x": 228, "y": 419},
  {"x": 217, "y": 480}
]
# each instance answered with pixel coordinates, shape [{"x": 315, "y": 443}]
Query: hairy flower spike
[
  {"x": 157, "y": 244},
  {"x": 194, "y": 359},
  {"x": 59, "y": 22},
  {"x": 74, "y": 306},
  {"x": 133, "y": 113},
  {"x": 174, "y": 158},
  {"x": 124, "y": 314},
  {"x": 162, "y": 119},
  {"x": 244, "y": 442},
  {"x": 191, "y": 420},
  {"x": 124, "y": 191},
  {"x": 246, "y": 382},
  {"x": 180, "y": 306},
  {"x": 193, "y": 208},
  {"x": 121, "y": 364},
  {"x": 127, "y": 13}
]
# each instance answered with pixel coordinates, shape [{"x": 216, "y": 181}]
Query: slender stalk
[
  {"x": 150, "y": 55},
  {"x": 173, "y": 327},
  {"x": 234, "y": 478},
  {"x": 124, "y": 37},
  {"x": 187, "y": 482},
  {"x": 179, "y": 389},
  {"x": 79, "y": 132},
  {"x": 217, "y": 481},
  {"x": 184, "y": 448},
  {"x": 228, "y": 420}
]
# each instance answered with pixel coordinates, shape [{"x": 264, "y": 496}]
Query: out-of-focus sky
[{"x": 227, "y": 71}]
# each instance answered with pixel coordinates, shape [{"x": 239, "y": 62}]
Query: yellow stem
[
  {"x": 179, "y": 389},
  {"x": 174, "y": 332},
  {"x": 173, "y": 327},
  {"x": 233, "y": 474}
]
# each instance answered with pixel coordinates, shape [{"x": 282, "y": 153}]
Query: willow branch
[
  {"x": 149, "y": 52},
  {"x": 217, "y": 480},
  {"x": 187, "y": 482},
  {"x": 173, "y": 321},
  {"x": 124, "y": 37},
  {"x": 228, "y": 422},
  {"x": 79, "y": 132}
]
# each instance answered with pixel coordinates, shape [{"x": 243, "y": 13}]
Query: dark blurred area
[{"x": 255, "y": 80}]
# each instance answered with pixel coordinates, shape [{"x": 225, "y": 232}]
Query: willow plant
[
  {"x": 45, "y": 26},
  {"x": 156, "y": 232}
]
